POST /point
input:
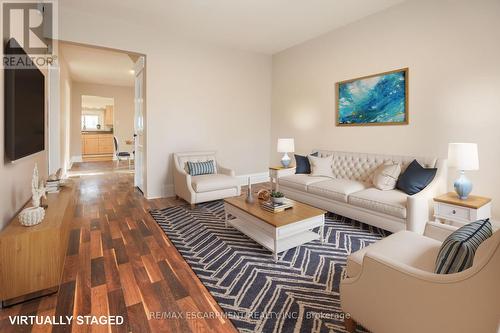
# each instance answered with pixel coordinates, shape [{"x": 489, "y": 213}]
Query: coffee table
[{"x": 277, "y": 232}]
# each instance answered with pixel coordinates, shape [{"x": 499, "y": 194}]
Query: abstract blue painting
[{"x": 380, "y": 99}]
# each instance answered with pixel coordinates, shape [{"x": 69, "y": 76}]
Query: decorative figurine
[
  {"x": 37, "y": 188},
  {"x": 249, "y": 198},
  {"x": 34, "y": 215},
  {"x": 264, "y": 195}
]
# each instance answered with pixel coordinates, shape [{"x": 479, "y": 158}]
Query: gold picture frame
[{"x": 405, "y": 121}]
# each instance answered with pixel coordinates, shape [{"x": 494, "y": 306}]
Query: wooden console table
[{"x": 32, "y": 258}]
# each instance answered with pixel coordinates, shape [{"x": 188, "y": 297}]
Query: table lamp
[
  {"x": 286, "y": 146},
  {"x": 463, "y": 156}
]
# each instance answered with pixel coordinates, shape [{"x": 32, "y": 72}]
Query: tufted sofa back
[
  {"x": 181, "y": 159},
  {"x": 360, "y": 166}
]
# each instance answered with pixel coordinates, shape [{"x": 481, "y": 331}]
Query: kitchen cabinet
[
  {"x": 97, "y": 144},
  {"x": 108, "y": 115}
]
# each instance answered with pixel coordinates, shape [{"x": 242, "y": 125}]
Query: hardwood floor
[
  {"x": 100, "y": 167},
  {"x": 119, "y": 262}
]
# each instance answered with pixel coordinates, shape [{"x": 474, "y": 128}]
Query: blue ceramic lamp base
[
  {"x": 463, "y": 186},
  {"x": 285, "y": 161}
]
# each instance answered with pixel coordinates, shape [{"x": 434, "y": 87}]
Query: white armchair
[
  {"x": 202, "y": 188},
  {"x": 391, "y": 288}
]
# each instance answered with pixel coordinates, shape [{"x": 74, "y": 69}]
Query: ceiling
[
  {"x": 100, "y": 66},
  {"x": 263, "y": 26}
]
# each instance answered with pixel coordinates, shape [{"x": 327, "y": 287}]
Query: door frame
[
  {"x": 132, "y": 55},
  {"x": 140, "y": 68},
  {"x": 54, "y": 119}
]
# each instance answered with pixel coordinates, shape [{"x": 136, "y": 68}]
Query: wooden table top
[
  {"x": 281, "y": 167},
  {"x": 299, "y": 212},
  {"x": 57, "y": 203},
  {"x": 473, "y": 201}
]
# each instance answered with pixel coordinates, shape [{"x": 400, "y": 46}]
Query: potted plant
[{"x": 277, "y": 197}]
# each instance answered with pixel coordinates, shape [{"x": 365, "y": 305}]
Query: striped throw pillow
[
  {"x": 458, "y": 249},
  {"x": 201, "y": 168}
]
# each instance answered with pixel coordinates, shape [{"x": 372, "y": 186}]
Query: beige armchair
[
  {"x": 391, "y": 288},
  {"x": 202, "y": 188}
]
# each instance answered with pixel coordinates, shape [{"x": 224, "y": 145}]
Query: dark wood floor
[{"x": 119, "y": 262}]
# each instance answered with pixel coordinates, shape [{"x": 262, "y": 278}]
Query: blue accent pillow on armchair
[
  {"x": 458, "y": 249},
  {"x": 302, "y": 164},
  {"x": 201, "y": 168},
  {"x": 415, "y": 178}
]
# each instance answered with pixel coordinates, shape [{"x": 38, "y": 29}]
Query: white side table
[
  {"x": 277, "y": 172},
  {"x": 448, "y": 208}
]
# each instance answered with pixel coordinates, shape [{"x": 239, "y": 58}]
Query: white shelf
[
  {"x": 267, "y": 240},
  {"x": 296, "y": 240},
  {"x": 254, "y": 233}
]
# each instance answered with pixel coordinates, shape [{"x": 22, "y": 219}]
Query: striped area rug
[{"x": 299, "y": 293}]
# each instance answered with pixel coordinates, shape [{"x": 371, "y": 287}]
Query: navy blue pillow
[
  {"x": 415, "y": 178},
  {"x": 457, "y": 251},
  {"x": 302, "y": 164}
]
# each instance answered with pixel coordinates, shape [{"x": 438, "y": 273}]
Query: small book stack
[
  {"x": 276, "y": 207},
  {"x": 53, "y": 186}
]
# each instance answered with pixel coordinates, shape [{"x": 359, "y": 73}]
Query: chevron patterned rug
[{"x": 299, "y": 293}]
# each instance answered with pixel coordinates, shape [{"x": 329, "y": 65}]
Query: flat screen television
[{"x": 24, "y": 107}]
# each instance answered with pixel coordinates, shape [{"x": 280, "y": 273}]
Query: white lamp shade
[
  {"x": 286, "y": 145},
  {"x": 463, "y": 156}
]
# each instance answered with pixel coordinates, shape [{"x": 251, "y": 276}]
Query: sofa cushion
[
  {"x": 299, "y": 181},
  {"x": 321, "y": 166},
  {"x": 458, "y": 249},
  {"x": 415, "y": 178},
  {"x": 214, "y": 182},
  {"x": 336, "y": 189},
  {"x": 302, "y": 164},
  {"x": 386, "y": 176},
  {"x": 392, "y": 202},
  {"x": 404, "y": 246}
]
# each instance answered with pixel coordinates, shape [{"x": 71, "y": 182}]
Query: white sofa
[
  {"x": 391, "y": 286},
  {"x": 203, "y": 188},
  {"x": 352, "y": 194}
]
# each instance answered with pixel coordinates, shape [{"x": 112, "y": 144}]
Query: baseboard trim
[{"x": 76, "y": 159}]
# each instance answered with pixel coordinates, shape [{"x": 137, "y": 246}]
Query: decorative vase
[
  {"x": 278, "y": 200},
  {"x": 463, "y": 186},
  {"x": 31, "y": 216},
  {"x": 249, "y": 198}
]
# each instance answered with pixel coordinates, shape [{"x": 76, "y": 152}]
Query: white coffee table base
[{"x": 275, "y": 239}]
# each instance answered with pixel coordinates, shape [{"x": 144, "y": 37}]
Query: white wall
[
  {"x": 198, "y": 96},
  {"x": 16, "y": 177},
  {"x": 123, "y": 112},
  {"x": 452, "y": 50}
]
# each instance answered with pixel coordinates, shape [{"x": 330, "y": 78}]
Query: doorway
[
  {"x": 97, "y": 128},
  {"x": 103, "y": 95}
]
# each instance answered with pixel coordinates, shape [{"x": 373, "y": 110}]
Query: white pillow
[
  {"x": 321, "y": 166},
  {"x": 386, "y": 176}
]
